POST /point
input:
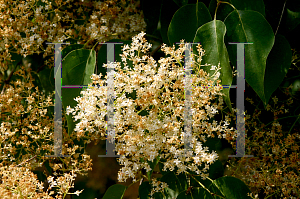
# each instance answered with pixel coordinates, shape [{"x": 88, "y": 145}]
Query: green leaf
[
  {"x": 33, "y": 61},
  {"x": 168, "y": 9},
  {"x": 70, "y": 48},
  {"x": 278, "y": 64},
  {"x": 197, "y": 192},
  {"x": 15, "y": 59},
  {"x": 115, "y": 192},
  {"x": 151, "y": 10},
  {"x": 144, "y": 190},
  {"x": 12, "y": 65},
  {"x": 186, "y": 21},
  {"x": 231, "y": 187},
  {"x": 216, "y": 170},
  {"x": 224, "y": 9},
  {"x": 292, "y": 19},
  {"x": 176, "y": 184},
  {"x": 251, "y": 27},
  {"x": 46, "y": 77},
  {"x": 152, "y": 166},
  {"x": 161, "y": 166},
  {"x": 211, "y": 36},
  {"x": 77, "y": 67},
  {"x": 213, "y": 144}
]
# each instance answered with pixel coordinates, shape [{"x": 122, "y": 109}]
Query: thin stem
[
  {"x": 294, "y": 124},
  {"x": 271, "y": 194},
  {"x": 283, "y": 118},
  {"x": 280, "y": 17},
  {"x": 205, "y": 187},
  {"x": 219, "y": 2},
  {"x": 26, "y": 161}
]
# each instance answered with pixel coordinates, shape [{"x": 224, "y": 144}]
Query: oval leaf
[
  {"x": 77, "y": 68},
  {"x": 278, "y": 64},
  {"x": 152, "y": 166},
  {"x": 211, "y": 36},
  {"x": 176, "y": 184},
  {"x": 151, "y": 12},
  {"x": 47, "y": 79},
  {"x": 232, "y": 188},
  {"x": 115, "y": 192},
  {"x": 216, "y": 170},
  {"x": 70, "y": 48},
  {"x": 186, "y": 21},
  {"x": 144, "y": 190},
  {"x": 251, "y": 27}
]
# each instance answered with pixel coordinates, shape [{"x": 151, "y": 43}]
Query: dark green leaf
[
  {"x": 77, "y": 67},
  {"x": 46, "y": 77},
  {"x": 278, "y": 64},
  {"x": 232, "y": 188},
  {"x": 33, "y": 61},
  {"x": 216, "y": 170},
  {"x": 152, "y": 166},
  {"x": 115, "y": 192},
  {"x": 251, "y": 27},
  {"x": 151, "y": 10},
  {"x": 144, "y": 190},
  {"x": 161, "y": 166},
  {"x": 292, "y": 19},
  {"x": 16, "y": 59},
  {"x": 211, "y": 36},
  {"x": 69, "y": 49},
  {"x": 186, "y": 21},
  {"x": 176, "y": 184}
]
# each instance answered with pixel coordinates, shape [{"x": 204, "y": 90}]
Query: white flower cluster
[{"x": 159, "y": 133}]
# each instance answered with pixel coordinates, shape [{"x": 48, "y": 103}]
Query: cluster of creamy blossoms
[
  {"x": 26, "y": 137},
  {"x": 20, "y": 182},
  {"x": 160, "y": 92},
  {"x": 26, "y": 25}
]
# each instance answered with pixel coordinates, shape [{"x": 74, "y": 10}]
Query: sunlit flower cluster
[
  {"x": 26, "y": 138},
  {"x": 25, "y": 26},
  {"x": 20, "y": 182},
  {"x": 151, "y": 126}
]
